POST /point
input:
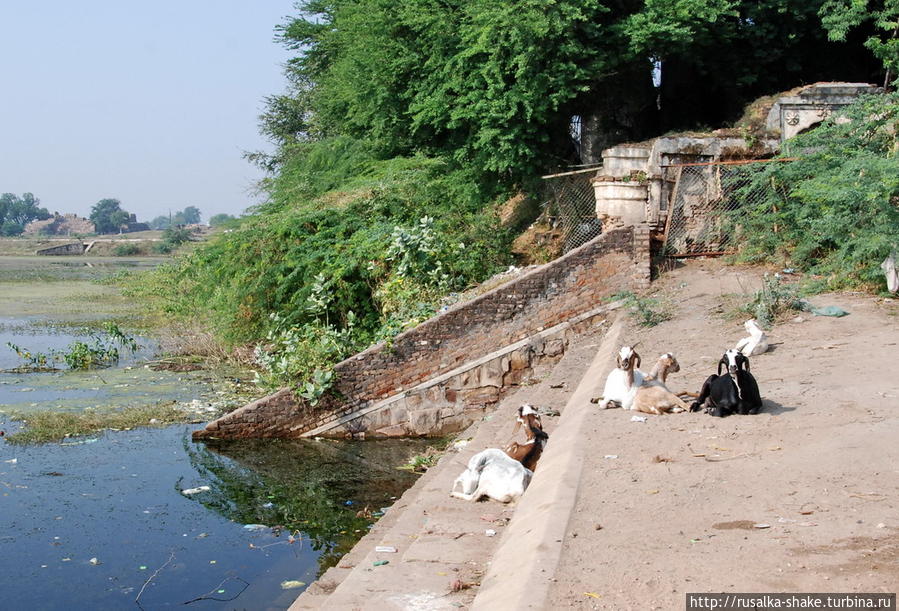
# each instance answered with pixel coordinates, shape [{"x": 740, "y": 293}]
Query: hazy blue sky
[{"x": 151, "y": 103}]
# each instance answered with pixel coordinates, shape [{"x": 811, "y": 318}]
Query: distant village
[{"x": 23, "y": 216}]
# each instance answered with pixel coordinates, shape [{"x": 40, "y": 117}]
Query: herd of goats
[{"x": 503, "y": 475}]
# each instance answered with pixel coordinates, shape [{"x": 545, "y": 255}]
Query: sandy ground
[{"x": 799, "y": 498}]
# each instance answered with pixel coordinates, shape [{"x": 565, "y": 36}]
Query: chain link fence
[
  {"x": 705, "y": 206},
  {"x": 570, "y": 201}
]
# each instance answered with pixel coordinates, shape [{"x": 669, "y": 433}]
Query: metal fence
[
  {"x": 570, "y": 201},
  {"x": 706, "y": 204}
]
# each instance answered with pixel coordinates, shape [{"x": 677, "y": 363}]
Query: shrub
[
  {"x": 126, "y": 250},
  {"x": 175, "y": 236},
  {"x": 162, "y": 248},
  {"x": 833, "y": 211}
]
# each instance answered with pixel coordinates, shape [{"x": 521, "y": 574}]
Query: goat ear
[
  {"x": 744, "y": 362},
  {"x": 723, "y": 361},
  {"x": 636, "y": 357}
]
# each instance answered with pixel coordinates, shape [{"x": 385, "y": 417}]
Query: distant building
[{"x": 60, "y": 224}]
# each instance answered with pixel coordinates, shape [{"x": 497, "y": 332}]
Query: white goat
[
  {"x": 654, "y": 397},
  {"x": 491, "y": 473},
  {"x": 756, "y": 343},
  {"x": 623, "y": 381}
]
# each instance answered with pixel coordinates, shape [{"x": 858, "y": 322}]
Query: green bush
[
  {"x": 175, "y": 236},
  {"x": 162, "y": 248},
  {"x": 833, "y": 212},
  {"x": 126, "y": 250},
  {"x": 316, "y": 273}
]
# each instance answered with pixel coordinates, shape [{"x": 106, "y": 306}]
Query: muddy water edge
[{"x": 99, "y": 521}]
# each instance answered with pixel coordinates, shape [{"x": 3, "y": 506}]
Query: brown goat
[
  {"x": 528, "y": 453},
  {"x": 654, "y": 397}
]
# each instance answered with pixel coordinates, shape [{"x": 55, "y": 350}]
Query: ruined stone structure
[
  {"x": 793, "y": 114},
  {"x": 73, "y": 248},
  {"x": 441, "y": 376},
  {"x": 635, "y": 182},
  {"x": 60, "y": 224}
]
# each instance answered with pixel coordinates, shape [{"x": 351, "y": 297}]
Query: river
[{"x": 99, "y": 521}]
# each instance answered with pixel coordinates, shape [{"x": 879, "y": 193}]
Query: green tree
[
  {"x": 842, "y": 16},
  {"x": 16, "y": 212},
  {"x": 108, "y": 216},
  {"x": 220, "y": 219},
  {"x": 495, "y": 84},
  {"x": 160, "y": 222},
  {"x": 191, "y": 215}
]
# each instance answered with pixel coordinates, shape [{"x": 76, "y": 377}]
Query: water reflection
[
  {"x": 119, "y": 498},
  {"x": 323, "y": 489}
]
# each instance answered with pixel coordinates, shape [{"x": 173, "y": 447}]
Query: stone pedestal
[{"x": 620, "y": 203}]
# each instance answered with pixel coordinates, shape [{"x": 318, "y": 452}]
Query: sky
[{"x": 151, "y": 103}]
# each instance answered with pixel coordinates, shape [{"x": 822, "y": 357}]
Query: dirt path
[{"x": 677, "y": 509}]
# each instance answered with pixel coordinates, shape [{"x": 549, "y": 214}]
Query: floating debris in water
[
  {"x": 255, "y": 527},
  {"x": 290, "y": 584},
  {"x": 198, "y": 489}
]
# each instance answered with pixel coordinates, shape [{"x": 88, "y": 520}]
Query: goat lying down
[
  {"x": 654, "y": 397},
  {"x": 630, "y": 388},
  {"x": 529, "y": 452},
  {"x": 492, "y": 473},
  {"x": 756, "y": 343},
  {"x": 735, "y": 392},
  {"x": 623, "y": 381}
]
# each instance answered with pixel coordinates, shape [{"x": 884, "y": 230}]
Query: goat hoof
[{"x": 695, "y": 406}]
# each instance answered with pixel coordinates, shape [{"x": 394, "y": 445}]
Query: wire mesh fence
[
  {"x": 571, "y": 202},
  {"x": 706, "y": 204}
]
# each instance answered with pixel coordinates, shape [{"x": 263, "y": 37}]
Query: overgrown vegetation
[
  {"x": 126, "y": 250},
  {"x": 834, "y": 211},
  {"x": 50, "y": 426},
  {"x": 318, "y": 273}
]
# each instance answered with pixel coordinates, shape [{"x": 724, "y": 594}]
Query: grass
[
  {"x": 50, "y": 426},
  {"x": 646, "y": 311}
]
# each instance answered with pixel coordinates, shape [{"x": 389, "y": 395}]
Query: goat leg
[{"x": 703, "y": 394}]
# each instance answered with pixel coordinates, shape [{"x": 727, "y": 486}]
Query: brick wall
[{"x": 546, "y": 296}]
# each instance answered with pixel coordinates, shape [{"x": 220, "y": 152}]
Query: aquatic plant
[{"x": 99, "y": 351}]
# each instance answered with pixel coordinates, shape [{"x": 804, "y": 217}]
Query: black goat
[{"x": 736, "y": 392}]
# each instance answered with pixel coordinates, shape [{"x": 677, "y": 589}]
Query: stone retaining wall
[{"x": 520, "y": 310}]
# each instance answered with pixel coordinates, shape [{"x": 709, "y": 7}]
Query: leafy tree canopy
[
  {"x": 16, "y": 212},
  {"x": 108, "y": 216},
  {"x": 495, "y": 84},
  {"x": 842, "y": 16}
]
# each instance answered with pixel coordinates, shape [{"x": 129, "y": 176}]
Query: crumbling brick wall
[{"x": 546, "y": 296}]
